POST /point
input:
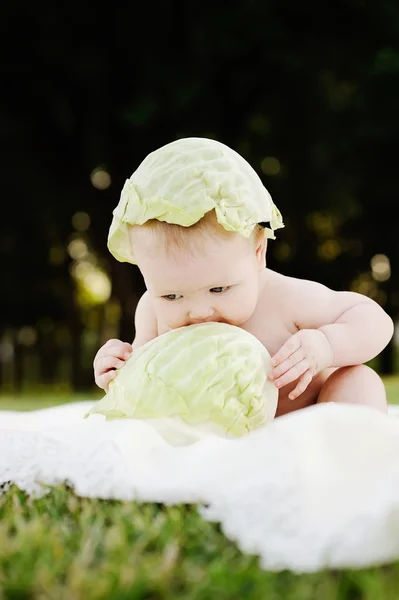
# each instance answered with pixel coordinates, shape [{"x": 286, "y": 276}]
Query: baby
[{"x": 196, "y": 219}]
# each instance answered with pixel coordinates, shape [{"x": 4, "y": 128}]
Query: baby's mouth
[{"x": 199, "y": 321}]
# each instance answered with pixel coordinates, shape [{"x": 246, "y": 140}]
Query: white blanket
[{"x": 317, "y": 488}]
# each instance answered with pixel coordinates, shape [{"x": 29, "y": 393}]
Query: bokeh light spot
[
  {"x": 81, "y": 221},
  {"x": 283, "y": 252},
  {"x": 329, "y": 250},
  {"x": 100, "y": 178},
  {"x": 99, "y": 286},
  {"x": 27, "y": 336},
  {"x": 270, "y": 165},
  {"x": 259, "y": 124},
  {"x": 77, "y": 249},
  {"x": 380, "y": 267},
  {"x": 6, "y": 351}
]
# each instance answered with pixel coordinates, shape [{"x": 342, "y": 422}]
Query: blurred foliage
[{"x": 308, "y": 93}]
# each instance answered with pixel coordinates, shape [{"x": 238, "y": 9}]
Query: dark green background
[{"x": 85, "y": 87}]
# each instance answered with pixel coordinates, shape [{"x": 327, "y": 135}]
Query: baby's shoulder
[
  {"x": 303, "y": 302},
  {"x": 279, "y": 284},
  {"x": 279, "y": 287},
  {"x": 288, "y": 293}
]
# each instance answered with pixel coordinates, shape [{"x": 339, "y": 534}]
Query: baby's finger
[
  {"x": 287, "y": 364},
  {"x": 293, "y": 374},
  {"x": 109, "y": 376},
  {"x": 104, "y": 380},
  {"x": 112, "y": 343},
  {"x": 116, "y": 346},
  {"x": 125, "y": 347},
  {"x": 302, "y": 385},
  {"x": 119, "y": 353},
  {"x": 290, "y": 346},
  {"x": 109, "y": 362}
]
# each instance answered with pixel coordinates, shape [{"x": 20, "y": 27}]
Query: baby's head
[
  {"x": 188, "y": 216},
  {"x": 199, "y": 273}
]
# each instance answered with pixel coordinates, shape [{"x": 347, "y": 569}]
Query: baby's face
[{"x": 217, "y": 281}]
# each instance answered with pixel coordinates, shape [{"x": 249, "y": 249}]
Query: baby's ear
[{"x": 260, "y": 250}]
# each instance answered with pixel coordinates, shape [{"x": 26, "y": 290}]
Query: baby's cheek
[
  {"x": 173, "y": 316},
  {"x": 240, "y": 309}
]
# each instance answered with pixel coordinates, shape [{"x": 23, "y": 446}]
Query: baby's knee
[
  {"x": 357, "y": 384},
  {"x": 361, "y": 373},
  {"x": 365, "y": 375},
  {"x": 370, "y": 386}
]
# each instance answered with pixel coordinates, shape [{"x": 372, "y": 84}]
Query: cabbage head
[{"x": 206, "y": 373}]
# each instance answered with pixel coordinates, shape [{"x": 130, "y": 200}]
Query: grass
[
  {"x": 42, "y": 398},
  {"x": 64, "y": 547},
  {"x": 67, "y": 547}
]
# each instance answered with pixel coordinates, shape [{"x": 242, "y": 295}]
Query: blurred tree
[{"x": 307, "y": 93}]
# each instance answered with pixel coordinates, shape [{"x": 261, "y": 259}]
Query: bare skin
[{"x": 318, "y": 338}]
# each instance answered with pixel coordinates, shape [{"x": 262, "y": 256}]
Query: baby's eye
[
  {"x": 220, "y": 290},
  {"x": 172, "y": 297}
]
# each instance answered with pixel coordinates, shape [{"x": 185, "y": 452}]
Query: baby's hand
[
  {"x": 109, "y": 358},
  {"x": 302, "y": 357}
]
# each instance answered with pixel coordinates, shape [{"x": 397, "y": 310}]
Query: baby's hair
[{"x": 174, "y": 237}]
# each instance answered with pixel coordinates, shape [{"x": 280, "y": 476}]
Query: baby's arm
[
  {"x": 145, "y": 322},
  {"x": 113, "y": 355},
  {"x": 336, "y": 329},
  {"x": 356, "y": 327}
]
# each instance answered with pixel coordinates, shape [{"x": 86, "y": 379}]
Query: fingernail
[{"x": 127, "y": 355}]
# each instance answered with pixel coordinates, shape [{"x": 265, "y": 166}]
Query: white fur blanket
[{"x": 317, "y": 488}]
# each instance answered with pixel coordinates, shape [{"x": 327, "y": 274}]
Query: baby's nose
[{"x": 200, "y": 313}]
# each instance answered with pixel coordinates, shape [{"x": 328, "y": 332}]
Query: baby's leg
[{"x": 356, "y": 385}]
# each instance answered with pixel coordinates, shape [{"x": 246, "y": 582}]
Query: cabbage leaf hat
[{"x": 182, "y": 181}]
